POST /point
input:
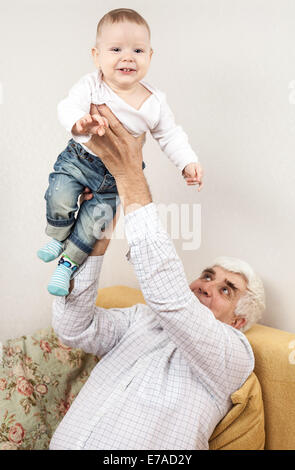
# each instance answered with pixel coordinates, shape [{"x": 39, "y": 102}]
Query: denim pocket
[{"x": 108, "y": 184}]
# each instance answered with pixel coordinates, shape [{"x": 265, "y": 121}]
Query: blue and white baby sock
[
  {"x": 51, "y": 250},
  {"x": 60, "y": 281}
]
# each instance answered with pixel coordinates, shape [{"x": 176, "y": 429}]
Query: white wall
[{"x": 226, "y": 66}]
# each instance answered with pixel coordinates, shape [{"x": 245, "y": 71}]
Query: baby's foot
[
  {"x": 60, "y": 281},
  {"x": 50, "y": 251}
]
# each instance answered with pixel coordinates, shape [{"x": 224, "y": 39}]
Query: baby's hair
[{"x": 121, "y": 14}]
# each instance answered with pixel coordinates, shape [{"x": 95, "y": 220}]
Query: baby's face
[{"x": 120, "y": 46}]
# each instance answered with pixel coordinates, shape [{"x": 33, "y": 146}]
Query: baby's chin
[{"x": 118, "y": 78}]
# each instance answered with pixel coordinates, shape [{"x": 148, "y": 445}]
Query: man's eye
[
  {"x": 207, "y": 277},
  {"x": 138, "y": 51},
  {"x": 225, "y": 290}
]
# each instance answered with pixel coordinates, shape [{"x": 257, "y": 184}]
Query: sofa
[{"x": 40, "y": 377}]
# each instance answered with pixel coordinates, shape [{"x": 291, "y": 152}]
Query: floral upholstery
[{"x": 39, "y": 379}]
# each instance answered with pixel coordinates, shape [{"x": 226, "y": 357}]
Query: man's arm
[
  {"x": 117, "y": 142},
  {"x": 77, "y": 321},
  {"x": 220, "y": 355}
]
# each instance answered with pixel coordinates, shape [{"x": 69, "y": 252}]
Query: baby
[{"x": 122, "y": 56}]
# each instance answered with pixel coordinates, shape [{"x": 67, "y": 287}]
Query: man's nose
[{"x": 206, "y": 290}]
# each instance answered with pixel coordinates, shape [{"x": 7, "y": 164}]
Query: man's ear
[{"x": 238, "y": 322}]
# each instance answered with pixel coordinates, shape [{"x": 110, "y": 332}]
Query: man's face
[
  {"x": 122, "y": 46},
  {"x": 220, "y": 291}
]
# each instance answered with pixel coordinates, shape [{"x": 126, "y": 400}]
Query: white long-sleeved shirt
[
  {"x": 154, "y": 115},
  {"x": 167, "y": 369}
]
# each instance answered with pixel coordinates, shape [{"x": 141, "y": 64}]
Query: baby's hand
[
  {"x": 193, "y": 174},
  {"x": 90, "y": 124}
]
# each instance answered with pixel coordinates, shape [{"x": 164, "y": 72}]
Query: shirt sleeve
[
  {"x": 171, "y": 137},
  {"x": 220, "y": 355},
  {"x": 80, "y": 324},
  {"x": 75, "y": 106}
]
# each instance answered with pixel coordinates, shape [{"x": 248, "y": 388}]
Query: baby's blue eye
[
  {"x": 115, "y": 49},
  {"x": 138, "y": 51}
]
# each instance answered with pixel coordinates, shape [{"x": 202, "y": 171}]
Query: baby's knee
[{"x": 61, "y": 201}]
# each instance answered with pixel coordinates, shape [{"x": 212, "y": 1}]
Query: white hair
[{"x": 252, "y": 304}]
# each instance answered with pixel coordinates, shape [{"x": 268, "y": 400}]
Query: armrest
[{"x": 274, "y": 352}]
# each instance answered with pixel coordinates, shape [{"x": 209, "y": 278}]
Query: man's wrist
[{"x": 133, "y": 191}]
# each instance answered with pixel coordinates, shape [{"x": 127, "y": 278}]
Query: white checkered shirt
[{"x": 167, "y": 369}]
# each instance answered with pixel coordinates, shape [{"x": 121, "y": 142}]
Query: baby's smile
[{"x": 127, "y": 71}]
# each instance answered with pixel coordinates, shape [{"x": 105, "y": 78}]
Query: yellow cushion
[
  {"x": 119, "y": 297},
  {"x": 243, "y": 426},
  {"x": 275, "y": 369}
]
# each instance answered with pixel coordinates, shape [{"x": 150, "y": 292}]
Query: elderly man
[{"x": 167, "y": 369}]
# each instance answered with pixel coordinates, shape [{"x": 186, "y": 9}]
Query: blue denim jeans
[{"x": 74, "y": 169}]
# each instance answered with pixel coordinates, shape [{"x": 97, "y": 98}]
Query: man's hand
[
  {"x": 85, "y": 196},
  {"x": 119, "y": 150},
  {"x": 193, "y": 174},
  {"x": 90, "y": 124},
  {"x": 122, "y": 155}
]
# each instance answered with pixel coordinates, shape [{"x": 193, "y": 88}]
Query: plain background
[{"x": 227, "y": 67}]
